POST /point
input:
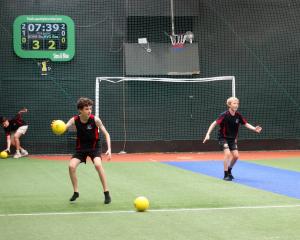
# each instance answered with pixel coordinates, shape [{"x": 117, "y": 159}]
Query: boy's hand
[
  {"x": 108, "y": 153},
  {"x": 258, "y": 129},
  {"x": 23, "y": 110},
  {"x": 207, "y": 137},
  {"x": 52, "y": 123},
  {"x": 7, "y": 150}
]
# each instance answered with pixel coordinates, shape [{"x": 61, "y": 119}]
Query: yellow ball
[
  {"x": 58, "y": 127},
  {"x": 3, "y": 154},
  {"x": 141, "y": 204}
]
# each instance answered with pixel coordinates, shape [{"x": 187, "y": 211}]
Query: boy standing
[
  {"x": 14, "y": 129},
  {"x": 229, "y": 122},
  {"x": 87, "y": 144}
]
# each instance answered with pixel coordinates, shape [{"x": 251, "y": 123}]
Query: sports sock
[{"x": 107, "y": 197}]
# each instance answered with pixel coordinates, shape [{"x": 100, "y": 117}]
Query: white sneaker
[
  {"x": 24, "y": 153},
  {"x": 17, "y": 155}
]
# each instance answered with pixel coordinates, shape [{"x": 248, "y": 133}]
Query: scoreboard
[{"x": 46, "y": 37}]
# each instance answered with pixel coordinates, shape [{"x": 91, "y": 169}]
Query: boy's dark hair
[
  {"x": 2, "y": 120},
  {"x": 84, "y": 102}
]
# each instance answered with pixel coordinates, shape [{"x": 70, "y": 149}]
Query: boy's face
[
  {"x": 234, "y": 105},
  {"x": 86, "y": 111},
  {"x": 5, "y": 124}
]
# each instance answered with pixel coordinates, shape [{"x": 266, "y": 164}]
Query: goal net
[{"x": 152, "y": 109}]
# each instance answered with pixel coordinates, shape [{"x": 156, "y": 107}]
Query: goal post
[{"x": 139, "y": 109}]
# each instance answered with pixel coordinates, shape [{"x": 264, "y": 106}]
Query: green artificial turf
[{"x": 31, "y": 186}]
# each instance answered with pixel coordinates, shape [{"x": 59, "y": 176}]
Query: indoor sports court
[{"x": 196, "y": 102}]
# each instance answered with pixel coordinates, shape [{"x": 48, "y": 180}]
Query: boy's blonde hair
[{"x": 230, "y": 100}]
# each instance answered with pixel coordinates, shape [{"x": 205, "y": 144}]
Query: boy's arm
[
  {"x": 255, "y": 129},
  {"x": 106, "y": 134},
  {"x": 8, "y": 141},
  {"x": 23, "y": 110},
  {"x": 211, "y": 127},
  {"x": 70, "y": 123}
]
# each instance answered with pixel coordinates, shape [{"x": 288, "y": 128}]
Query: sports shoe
[
  {"x": 107, "y": 199},
  {"x": 227, "y": 178},
  {"x": 74, "y": 197},
  {"x": 24, "y": 153},
  {"x": 17, "y": 155},
  {"x": 231, "y": 176}
]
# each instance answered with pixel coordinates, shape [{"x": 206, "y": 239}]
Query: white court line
[{"x": 154, "y": 210}]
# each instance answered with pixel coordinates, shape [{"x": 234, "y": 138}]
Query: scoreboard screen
[
  {"x": 44, "y": 36},
  {"x": 49, "y": 37}
]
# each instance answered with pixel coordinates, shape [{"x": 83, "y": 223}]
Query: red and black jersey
[
  {"x": 229, "y": 124},
  {"x": 14, "y": 124},
  {"x": 87, "y": 134}
]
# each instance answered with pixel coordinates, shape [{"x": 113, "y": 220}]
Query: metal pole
[
  {"x": 233, "y": 86},
  {"x": 172, "y": 17}
]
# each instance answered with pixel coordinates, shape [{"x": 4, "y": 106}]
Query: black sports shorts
[
  {"x": 82, "y": 155},
  {"x": 226, "y": 143}
]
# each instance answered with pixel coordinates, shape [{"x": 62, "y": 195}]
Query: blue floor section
[{"x": 270, "y": 179}]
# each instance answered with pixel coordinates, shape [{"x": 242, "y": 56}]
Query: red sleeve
[
  {"x": 220, "y": 119},
  {"x": 242, "y": 120},
  {"x": 18, "y": 117}
]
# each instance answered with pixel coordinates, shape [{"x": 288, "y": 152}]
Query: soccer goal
[{"x": 154, "y": 109}]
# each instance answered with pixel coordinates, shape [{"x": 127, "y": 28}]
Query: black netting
[{"x": 256, "y": 41}]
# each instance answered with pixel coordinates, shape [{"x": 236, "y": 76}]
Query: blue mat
[{"x": 270, "y": 179}]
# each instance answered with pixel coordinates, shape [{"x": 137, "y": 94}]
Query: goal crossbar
[{"x": 174, "y": 80}]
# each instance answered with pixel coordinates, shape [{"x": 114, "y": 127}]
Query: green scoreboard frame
[{"x": 44, "y": 36}]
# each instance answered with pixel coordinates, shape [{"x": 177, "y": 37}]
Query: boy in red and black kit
[
  {"x": 229, "y": 122},
  {"x": 88, "y": 145},
  {"x": 14, "y": 129}
]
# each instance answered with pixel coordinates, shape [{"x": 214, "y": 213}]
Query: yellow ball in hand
[
  {"x": 58, "y": 127},
  {"x": 141, "y": 204}
]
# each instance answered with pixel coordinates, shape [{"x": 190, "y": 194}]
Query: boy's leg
[
  {"x": 16, "y": 137},
  {"x": 235, "y": 157},
  {"x": 101, "y": 173},
  {"x": 100, "y": 170},
  {"x": 73, "y": 164},
  {"x": 12, "y": 139},
  {"x": 227, "y": 158},
  {"x": 16, "y": 140}
]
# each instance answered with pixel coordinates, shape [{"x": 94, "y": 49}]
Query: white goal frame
[{"x": 175, "y": 80}]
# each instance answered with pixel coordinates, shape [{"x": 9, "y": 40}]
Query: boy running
[{"x": 229, "y": 122}]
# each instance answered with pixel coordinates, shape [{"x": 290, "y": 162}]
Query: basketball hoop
[{"x": 178, "y": 40}]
